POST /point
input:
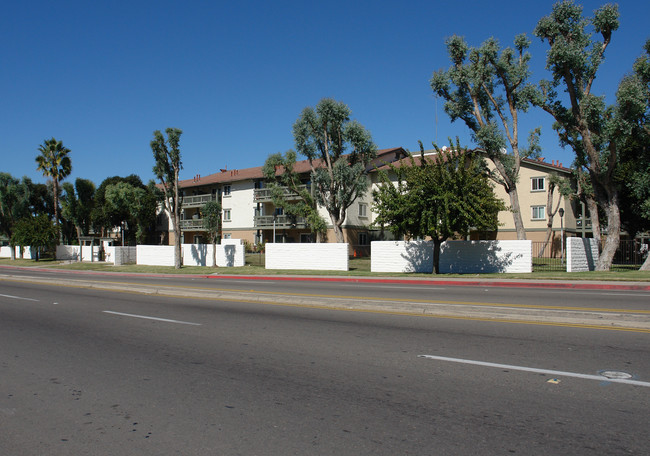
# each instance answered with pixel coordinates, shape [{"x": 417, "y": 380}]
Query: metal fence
[{"x": 630, "y": 255}]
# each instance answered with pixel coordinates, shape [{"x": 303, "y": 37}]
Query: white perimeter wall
[
  {"x": 230, "y": 254},
  {"x": 5, "y": 252},
  {"x": 318, "y": 256},
  {"x": 401, "y": 256},
  {"x": 581, "y": 254},
  {"x": 155, "y": 255},
  {"x": 482, "y": 257}
]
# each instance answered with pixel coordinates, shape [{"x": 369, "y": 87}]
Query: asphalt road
[{"x": 102, "y": 372}]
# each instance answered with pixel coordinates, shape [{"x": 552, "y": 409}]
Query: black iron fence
[{"x": 630, "y": 255}]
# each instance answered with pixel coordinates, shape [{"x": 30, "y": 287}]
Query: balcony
[
  {"x": 281, "y": 222},
  {"x": 192, "y": 225},
  {"x": 263, "y": 195},
  {"x": 198, "y": 200}
]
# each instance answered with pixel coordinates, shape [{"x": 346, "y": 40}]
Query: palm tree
[{"x": 55, "y": 163}]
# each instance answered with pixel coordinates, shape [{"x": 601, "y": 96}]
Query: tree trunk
[
  {"x": 81, "y": 247},
  {"x": 516, "y": 213},
  {"x": 436, "y": 255},
  {"x": 646, "y": 264},
  {"x": 214, "y": 251},
  {"x": 592, "y": 208},
  {"x": 338, "y": 231},
  {"x": 13, "y": 250},
  {"x": 613, "y": 231},
  {"x": 551, "y": 214}
]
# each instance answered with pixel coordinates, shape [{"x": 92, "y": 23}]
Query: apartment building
[{"x": 249, "y": 213}]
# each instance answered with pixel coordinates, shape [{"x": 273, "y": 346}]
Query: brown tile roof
[{"x": 232, "y": 175}]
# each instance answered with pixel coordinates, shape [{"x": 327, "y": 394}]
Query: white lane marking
[
  {"x": 151, "y": 318},
  {"x": 539, "y": 371},
  {"x": 18, "y": 297}
]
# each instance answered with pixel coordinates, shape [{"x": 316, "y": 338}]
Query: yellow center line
[
  {"x": 380, "y": 299},
  {"x": 346, "y": 309}
]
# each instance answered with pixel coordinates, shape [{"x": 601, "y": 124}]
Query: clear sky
[{"x": 234, "y": 76}]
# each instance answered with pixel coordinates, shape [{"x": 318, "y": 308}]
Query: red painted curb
[{"x": 465, "y": 283}]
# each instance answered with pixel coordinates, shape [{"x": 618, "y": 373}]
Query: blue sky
[{"x": 102, "y": 76}]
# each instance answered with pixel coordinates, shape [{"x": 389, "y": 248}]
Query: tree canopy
[
  {"x": 55, "y": 163},
  {"x": 582, "y": 119},
  {"x": 338, "y": 150},
  {"x": 487, "y": 88},
  {"x": 167, "y": 166},
  {"x": 443, "y": 197},
  {"x": 211, "y": 215},
  {"x": 14, "y": 204},
  {"x": 289, "y": 192}
]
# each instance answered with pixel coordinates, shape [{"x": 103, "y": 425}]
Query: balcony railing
[
  {"x": 192, "y": 225},
  {"x": 263, "y": 195},
  {"x": 281, "y": 221},
  {"x": 198, "y": 200}
]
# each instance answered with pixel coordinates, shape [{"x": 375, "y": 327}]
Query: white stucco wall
[
  {"x": 319, "y": 256},
  {"x": 482, "y": 257},
  {"x": 155, "y": 255},
  {"x": 401, "y": 256},
  {"x": 581, "y": 254},
  {"x": 5, "y": 252},
  {"x": 228, "y": 254}
]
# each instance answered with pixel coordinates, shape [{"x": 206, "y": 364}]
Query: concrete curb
[{"x": 506, "y": 283}]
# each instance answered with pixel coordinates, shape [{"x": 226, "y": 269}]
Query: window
[
  {"x": 226, "y": 215},
  {"x": 539, "y": 212},
  {"x": 198, "y": 239},
  {"x": 363, "y": 238},
  {"x": 226, "y": 190},
  {"x": 363, "y": 210},
  {"x": 537, "y": 184},
  {"x": 227, "y": 236},
  {"x": 306, "y": 238}
]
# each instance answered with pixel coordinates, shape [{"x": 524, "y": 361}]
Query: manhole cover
[{"x": 615, "y": 374}]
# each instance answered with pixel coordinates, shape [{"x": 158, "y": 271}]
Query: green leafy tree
[
  {"x": 583, "y": 121},
  {"x": 135, "y": 205},
  {"x": 54, "y": 163},
  {"x": 37, "y": 232},
  {"x": 211, "y": 213},
  {"x": 14, "y": 204},
  {"x": 634, "y": 175},
  {"x": 167, "y": 156},
  {"x": 338, "y": 150},
  {"x": 77, "y": 203},
  {"x": 104, "y": 216},
  {"x": 487, "y": 88},
  {"x": 443, "y": 197},
  {"x": 281, "y": 178}
]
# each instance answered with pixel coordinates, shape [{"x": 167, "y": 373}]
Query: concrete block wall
[
  {"x": 68, "y": 252},
  {"x": 155, "y": 255},
  {"x": 581, "y": 254},
  {"x": 230, "y": 254},
  {"x": 319, "y": 256},
  {"x": 124, "y": 255},
  {"x": 401, "y": 256},
  {"x": 482, "y": 257}
]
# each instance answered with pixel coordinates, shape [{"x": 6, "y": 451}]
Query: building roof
[
  {"x": 553, "y": 166},
  {"x": 226, "y": 176}
]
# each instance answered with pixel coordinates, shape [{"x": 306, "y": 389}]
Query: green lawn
[{"x": 359, "y": 267}]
